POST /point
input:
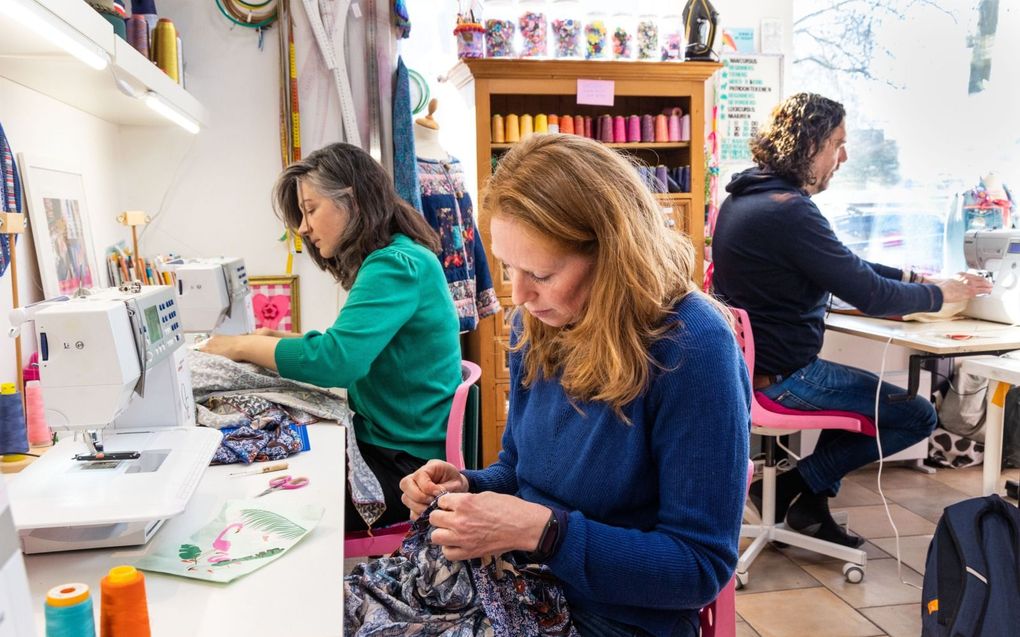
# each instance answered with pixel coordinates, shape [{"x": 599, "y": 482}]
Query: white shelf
[{"x": 34, "y": 62}]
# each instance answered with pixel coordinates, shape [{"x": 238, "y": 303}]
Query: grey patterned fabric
[
  {"x": 420, "y": 592},
  {"x": 218, "y": 382}
]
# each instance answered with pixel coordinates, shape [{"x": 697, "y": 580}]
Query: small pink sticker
[{"x": 596, "y": 92}]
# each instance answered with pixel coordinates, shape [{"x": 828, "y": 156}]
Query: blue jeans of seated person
[
  {"x": 823, "y": 385},
  {"x": 589, "y": 624}
]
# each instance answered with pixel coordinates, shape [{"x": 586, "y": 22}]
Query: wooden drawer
[
  {"x": 502, "y": 358},
  {"x": 676, "y": 209},
  {"x": 503, "y": 322},
  {"x": 502, "y": 402},
  {"x": 500, "y": 278}
]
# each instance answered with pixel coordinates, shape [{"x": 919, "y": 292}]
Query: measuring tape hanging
[{"x": 251, "y": 15}]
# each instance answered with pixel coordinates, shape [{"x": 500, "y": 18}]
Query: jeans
[
  {"x": 825, "y": 385},
  {"x": 589, "y": 624}
]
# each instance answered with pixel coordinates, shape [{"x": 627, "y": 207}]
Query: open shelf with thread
[{"x": 503, "y": 87}]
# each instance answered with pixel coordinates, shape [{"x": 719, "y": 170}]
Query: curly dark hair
[
  {"x": 799, "y": 127},
  {"x": 350, "y": 178}
]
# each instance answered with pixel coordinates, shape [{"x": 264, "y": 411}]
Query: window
[{"x": 931, "y": 98}]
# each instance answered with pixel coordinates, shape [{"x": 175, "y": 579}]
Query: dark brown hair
[
  {"x": 350, "y": 178},
  {"x": 799, "y": 128}
]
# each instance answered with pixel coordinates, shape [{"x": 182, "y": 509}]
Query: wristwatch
[{"x": 547, "y": 542}]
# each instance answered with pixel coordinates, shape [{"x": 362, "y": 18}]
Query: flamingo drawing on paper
[{"x": 221, "y": 546}]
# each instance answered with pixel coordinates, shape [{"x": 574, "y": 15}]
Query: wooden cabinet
[{"x": 497, "y": 86}]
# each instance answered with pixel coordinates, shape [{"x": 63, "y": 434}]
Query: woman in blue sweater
[{"x": 625, "y": 452}]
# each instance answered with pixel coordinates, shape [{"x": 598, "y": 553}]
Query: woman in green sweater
[{"x": 395, "y": 344}]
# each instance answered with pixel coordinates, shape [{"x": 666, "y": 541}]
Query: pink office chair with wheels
[
  {"x": 771, "y": 420},
  {"x": 385, "y": 540}
]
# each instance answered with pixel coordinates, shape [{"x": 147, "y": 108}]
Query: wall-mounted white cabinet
[{"x": 32, "y": 60}]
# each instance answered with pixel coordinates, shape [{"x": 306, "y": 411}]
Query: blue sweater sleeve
[
  {"x": 700, "y": 432},
  {"x": 830, "y": 265}
]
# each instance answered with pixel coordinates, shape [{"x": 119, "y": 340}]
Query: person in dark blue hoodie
[{"x": 778, "y": 258}]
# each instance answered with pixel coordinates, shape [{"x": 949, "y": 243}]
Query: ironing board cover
[{"x": 10, "y": 195}]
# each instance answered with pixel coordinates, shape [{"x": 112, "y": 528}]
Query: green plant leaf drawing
[
  {"x": 272, "y": 523},
  {"x": 257, "y": 556},
  {"x": 189, "y": 553}
]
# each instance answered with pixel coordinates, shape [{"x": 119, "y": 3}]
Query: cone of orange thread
[{"x": 124, "y": 610}]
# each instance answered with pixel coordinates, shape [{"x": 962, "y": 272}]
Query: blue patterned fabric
[
  {"x": 418, "y": 591},
  {"x": 448, "y": 209},
  {"x": 10, "y": 194},
  {"x": 405, "y": 168}
]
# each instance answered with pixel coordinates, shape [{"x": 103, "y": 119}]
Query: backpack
[{"x": 972, "y": 572}]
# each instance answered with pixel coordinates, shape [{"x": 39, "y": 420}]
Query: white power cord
[{"x": 881, "y": 464}]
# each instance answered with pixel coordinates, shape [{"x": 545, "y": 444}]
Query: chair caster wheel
[
  {"x": 740, "y": 580},
  {"x": 853, "y": 573}
]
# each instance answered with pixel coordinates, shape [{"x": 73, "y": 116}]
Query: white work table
[
  {"x": 301, "y": 593},
  {"x": 1001, "y": 374},
  {"x": 939, "y": 339}
]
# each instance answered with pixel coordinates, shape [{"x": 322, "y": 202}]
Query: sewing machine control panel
[{"x": 160, "y": 325}]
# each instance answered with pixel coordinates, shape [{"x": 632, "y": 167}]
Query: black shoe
[
  {"x": 809, "y": 515},
  {"x": 788, "y": 486}
]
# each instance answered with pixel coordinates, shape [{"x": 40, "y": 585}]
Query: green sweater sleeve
[{"x": 384, "y": 296}]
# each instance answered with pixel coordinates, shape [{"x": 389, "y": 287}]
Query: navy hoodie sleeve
[{"x": 829, "y": 264}]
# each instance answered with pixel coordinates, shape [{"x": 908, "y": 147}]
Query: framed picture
[
  {"x": 59, "y": 222},
  {"x": 276, "y": 301}
]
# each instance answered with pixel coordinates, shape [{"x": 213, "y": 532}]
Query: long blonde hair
[{"x": 589, "y": 200}]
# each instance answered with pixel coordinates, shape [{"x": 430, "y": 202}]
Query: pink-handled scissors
[{"x": 286, "y": 482}]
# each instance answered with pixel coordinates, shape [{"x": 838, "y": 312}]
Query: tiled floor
[{"x": 795, "y": 593}]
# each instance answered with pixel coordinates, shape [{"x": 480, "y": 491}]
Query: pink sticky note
[{"x": 596, "y": 92}]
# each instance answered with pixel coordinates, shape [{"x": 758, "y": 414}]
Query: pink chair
[
  {"x": 771, "y": 420},
  {"x": 719, "y": 619},
  {"x": 384, "y": 541}
]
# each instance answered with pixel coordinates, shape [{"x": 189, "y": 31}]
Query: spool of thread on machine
[
  {"x": 68, "y": 611},
  {"x": 13, "y": 433},
  {"x": 124, "y": 611},
  {"x": 39, "y": 433}
]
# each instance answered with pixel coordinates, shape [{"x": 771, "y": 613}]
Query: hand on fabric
[
  {"x": 226, "y": 346},
  {"x": 247, "y": 348},
  {"x": 964, "y": 286},
  {"x": 469, "y": 525},
  {"x": 433, "y": 478}
]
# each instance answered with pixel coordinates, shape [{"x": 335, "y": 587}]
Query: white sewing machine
[
  {"x": 998, "y": 252},
  {"x": 111, "y": 361},
  {"x": 212, "y": 295}
]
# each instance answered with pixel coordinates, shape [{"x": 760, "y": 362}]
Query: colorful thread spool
[
  {"x": 13, "y": 433},
  {"x": 554, "y": 123},
  {"x": 661, "y": 129},
  {"x": 647, "y": 129},
  {"x": 579, "y": 125},
  {"x": 542, "y": 123},
  {"x": 619, "y": 129},
  {"x": 661, "y": 179},
  {"x": 633, "y": 128},
  {"x": 68, "y": 611},
  {"x": 124, "y": 611},
  {"x": 674, "y": 125},
  {"x": 606, "y": 129},
  {"x": 138, "y": 33},
  {"x": 513, "y": 130},
  {"x": 39, "y": 433},
  {"x": 567, "y": 125},
  {"x": 165, "y": 47},
  {"x": 497, "y": 129},
  {"x": 685, "y": 128},
  {"x": 527, "y": 125},
  {"x": 589, "y": 130}
]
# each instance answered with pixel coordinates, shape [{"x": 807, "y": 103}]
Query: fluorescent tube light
[
  {"x": 154, "y": 101},
  {"x": 32, "y": 16}
]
